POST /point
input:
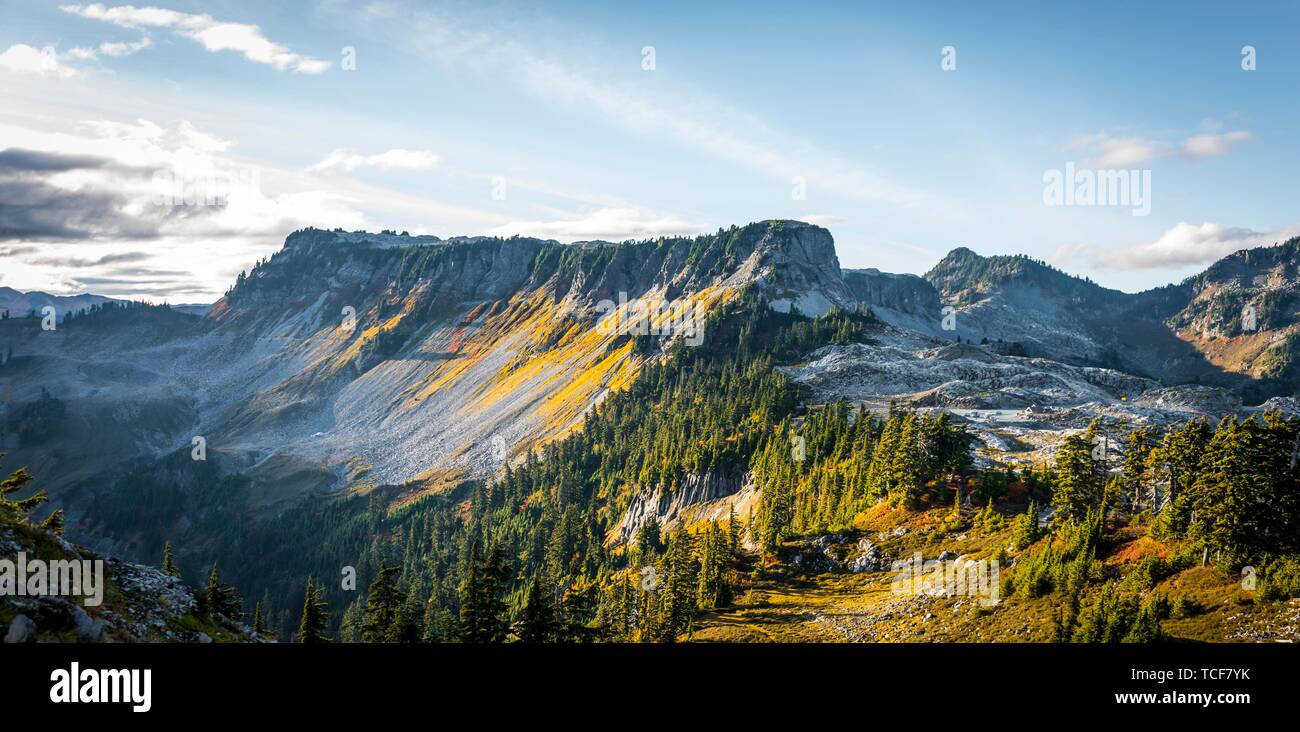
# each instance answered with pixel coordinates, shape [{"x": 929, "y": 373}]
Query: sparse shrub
[
  {"x": 1026, "y": 528},
  {"x": 1183, "y": 607},
  {"x": 1279, "y": 579}
]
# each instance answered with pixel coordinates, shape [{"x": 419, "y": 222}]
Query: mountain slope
[
  {"x": 1243, "y": 312},
  {"x": 1026, "y": 307},
  {"x": 349, "y": 360},
  {"x": 364, "y": 393}
]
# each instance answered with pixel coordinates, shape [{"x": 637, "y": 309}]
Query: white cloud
[
  {"x": 1107, "y": 151},
  {"x": 135, "y": 170},
  {"x": 214, "y": 35},
  {"x": 1182, "y": 245},
  {"x": 826, "y": 221},
  {"x": 171, "y": 190},
  {"x": 1119, "y": 152},
  {"x": 24, "y": 59},
  {"x": 109, "y": 48},
  {"x": 606, "y": 224},
  {"x": 1210, "y": 144},
  {"x": 389, "y": 160},
  {"x": 124, "y": 49}
]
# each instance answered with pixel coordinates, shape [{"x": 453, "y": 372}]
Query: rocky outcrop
[
  {"x": 869, "y": 559},
  {"x": 688, "y": 503},
  {"x": 140, "y": 603},
  {"x": 901, "y": 299}
]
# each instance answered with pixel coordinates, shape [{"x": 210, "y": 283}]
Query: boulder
[
  {"x": 88, "y": 629},
  {"x": 869, "y": 559},
  {"x": 21, "y": 630}
]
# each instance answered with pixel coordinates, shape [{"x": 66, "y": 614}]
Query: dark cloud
[
  {"x": 122, "y": 286},
  {"x": 15, "y": 160},
  {"x": 147, "y": 272},
  {"x": 33, "y": 210},
  {"x": 118, "y": 258},
  {"x": 17, "y": 251}
]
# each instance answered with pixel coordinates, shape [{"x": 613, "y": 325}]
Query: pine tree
[
  {"x": 578, "y": 613},
  {"x": 19, "y": 511},
  {"x": 218, "y": 599},
  {"x": 497, "y": 572},
  {"x": 483, "y": 609},
  {"x": 408, "y": 622},
  {"x": 1079, "y": 487},
  {"x": 648, "y": 543},
  {"x": 382, "y": 604},
  {"x": 1026, "y": 528},
  {"x": 714, "y": 557},
  {"x": 471, "y": 593},
  {"x": 907, "y": 467},
  {"x": 1146, "y": 626},
  {"x": 168, "y": 564},
  {"x": 258, "y": 628},
  {"x": 351, "y": 622},
  {"x": 538, "y": 624},
  {"x": 678, "y": 585},
  {"x": 314, "y": 627}
]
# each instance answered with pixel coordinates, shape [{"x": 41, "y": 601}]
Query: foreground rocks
[{"x": 141, "y": 603}]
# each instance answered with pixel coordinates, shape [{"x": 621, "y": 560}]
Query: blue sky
[{"x": 472, "y": 118}]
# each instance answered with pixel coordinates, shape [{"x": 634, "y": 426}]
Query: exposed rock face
[
  {"x": 1236, "y": 321},
  {"x": 140, "y": 603},
  {"x": 925, "y": 372},
  {"x": 798, "y": 268},
  {"x": 901, "y": 299},
  {"x": 1243, "y": 312},
  {"x": 695, "y": 493}
]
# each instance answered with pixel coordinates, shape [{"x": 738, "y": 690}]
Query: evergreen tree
[
  {"x": 1146, "y": 626},
  {"x": 713, "y": 589},
  {"x": 408, "y": 622},
  {"x": 578, "y": 612},
  {"x": 351, "y": 622},
  {"x": 19, "y": 511},
  {"x": 1079, "y": 487},
  {"x": 678, "y": 587},
  {"x": 1026, "y": 528},
  {"x": 168, "y": 564},
  {"x": 314, "y": 627},
  {"x": 218, "y": 599},
  {"x": 538, "y": 624},
  {"x": 483, "y": 610},
  {"x": 382, "y": 603},
  {"x": 1138, "y": 445},
  {"x": 648, "y": 542}
]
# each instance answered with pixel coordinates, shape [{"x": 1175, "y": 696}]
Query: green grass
[{"x": 785, "y": 605}]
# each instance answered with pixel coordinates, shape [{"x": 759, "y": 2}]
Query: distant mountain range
[
  {"x": 350, "y": 361},
  {"x": 20, "y": 304}
]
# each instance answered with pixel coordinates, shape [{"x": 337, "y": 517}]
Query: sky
[{"x": 154, "y": 152}]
